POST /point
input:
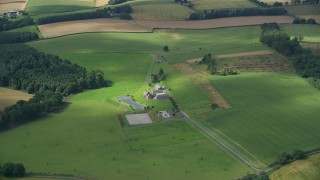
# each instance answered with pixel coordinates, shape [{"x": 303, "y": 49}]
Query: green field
[
  {"x": 86, "y": 138},
  {"x": 310, "y": 33},
  {"x": 221, "y": 4},
  {"x": 35, "y": 7},
  {"x": 28, "y": 29},
  {"x": 271, "y": 113},
  {"x": 183, "y": 44},
  {"x": 170, "y": 11},
  {"x": 302, "y": 169}
]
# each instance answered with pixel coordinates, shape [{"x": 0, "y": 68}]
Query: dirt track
[
  {"x": 91, "y": 25},
  {"x": 215, "y": 23}
]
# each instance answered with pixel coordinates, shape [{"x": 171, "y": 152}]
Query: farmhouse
[
  {"x": 13, "y": 13},
  {"x": 159, "y": 93}
]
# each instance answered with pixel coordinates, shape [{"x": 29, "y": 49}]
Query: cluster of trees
[
  {"x": 286, "y": 158},
  {"x": 12, "y": 170},
  {"x": 17, "y": 37},
  {"x": 304, "y": 21},
  {"x": 262, "y": 176},
  {"x": 114, "y": 2},
  {"x": 213, "y": 14},
  {"x": 25, "y": 111},
  {"x": 175, "y": 104},
  {"x": 211, "y": 62},
  {"x": 263, "y": 4},
  {"x": 22, "y": 67},
  {"x": 121, "y": 11},
  {"x": 6, "y": 24},
  {"x": 158, "y": 77},
  {"x": 305, "y": 62},
  {"x": 296, "y": 2}
]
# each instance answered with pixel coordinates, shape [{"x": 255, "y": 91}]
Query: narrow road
[{"x": 256, "y": 170}]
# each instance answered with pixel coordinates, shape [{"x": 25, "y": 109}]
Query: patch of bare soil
[
  {"x": 91, "y": 25},
  {"x": 215, "y": 23},
  {"x": 255, "y": 53},
  {"x": 10, "y": 5},
  {"x": 261, "y": 63},
  {"x": 200, "y": 79}
]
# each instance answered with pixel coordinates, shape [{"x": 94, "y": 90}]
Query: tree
[
  {"x": 19, "y": 170},
  {"x": 161, "y": 73},
  {"x": 7, "y": 169},
  {"x": 166, "y": 48},
  {"x": 311, "y": 21}
]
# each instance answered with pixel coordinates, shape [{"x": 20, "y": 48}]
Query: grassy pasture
[
  {"x": 221, "y": 4},
  {"x": 86, "y": 138},
  {"x": 272, "y": 113},
  {"x": 161, "y": 12},
  {"x": 310, "y": 33},
  {"x": 9, "y": 97},
  {"x": 303, "y": 169},
  {"x": 35, "y": 7},
  {"x": 28, "y": 29},
  {"x": 183, "y": 44},
  {"x": 273, "y": 1}
]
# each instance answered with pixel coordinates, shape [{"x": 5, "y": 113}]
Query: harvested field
[
  {"x": 9, "y": 5},
  {"x": 99, "y": 3},
  {"x": 216, "y": 23},
  {"x": 259, "y": 63},
  {"x": 9, "y": 97},
  {"x": 200, "y": 79},
  {"x": 222, "y": 4},
  {"x": 255, "y": 53},
  {"x": 139, "y": 119},
  {"x": 96, "y": 25}
]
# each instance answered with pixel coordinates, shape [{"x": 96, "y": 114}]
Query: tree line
[
  {"x": 6, "y": 24},
  {"x": 24, "y": 68},
  {"x": 213, "y": 14},
  {"x": 304, "y": 21},
  {"x": 17, "y": 37},
  {"x": 305, "y": 62},
  {"x": 12, "y": 170},
  {"x": 122, "y": 11}
]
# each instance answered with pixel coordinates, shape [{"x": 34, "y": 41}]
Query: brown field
[
  {"x": 96, "y": 25},
  {"x": 246, "y": 54},
  {"x": 200, "y": 79},
  {"x": 216, "y": 23},
  {"x": 99, "y": 3},
  {"x": 9, "y": 97},
  {"x": 314, "y": 47},
  {"x": 260, "y": 63},
  {"x": 9, "y": 5}
]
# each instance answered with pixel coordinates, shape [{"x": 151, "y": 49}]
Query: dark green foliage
[
  {"x": 214, "y": 106},
  {"x": 22, "y": 67},
  {"x": 17, "y": 37},
  {"x": 262, "y": 176},
  {"x": 158, "y": 77},
  {"x": 259, "y": 3},
  {"x": 304, "y": 21},
  {"x": 113, "y": 2},
  {"x": 211, "y": 62},
  {"x": 286, "y": 158},
  {"x": 6, "y": 24},
  {"x": 25, "y": 111},
  {"x": 305, "y": 62},
  {"x": 277, "y": 4},
  {"x": 175, "y": 104},
  {"x": 238, "y": 12},
  {"x": 125, "y": 9},
  {"x": 12, "y": 170},
  {"x": 76, "y": 16},
  {"x": 166, "y": 48}
]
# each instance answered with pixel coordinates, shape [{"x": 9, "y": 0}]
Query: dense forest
[
  {"x": 17, "y": 37},
  {"x": 305, "y": 62},
  {"x": 6, "y": 24},
  {"x": 121, "y": 11},
  {"x": 25, "y": 68},
  {"x": 213, "y": 14}
]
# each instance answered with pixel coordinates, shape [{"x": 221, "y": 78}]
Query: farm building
[
  {"x": 162, "y": 96},
  {"x": 12, "y": 13}
]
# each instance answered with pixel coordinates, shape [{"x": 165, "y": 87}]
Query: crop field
[
  {"x": 88, "y": 132},
  {"x": 273, "y": 1},
  {"x": 161, "y": 12},
  {"x": 310, "y": 33},
  {"x": 35, "y": 7},
  {"x": 183, "y": 44},
  {"x": 9, "y": 5},
  {"x": 302, "y": 169},
  {"x": 221, "y": 4},
  {"x": 9, "y": 97},
  {"x": 304, "y": 10},
  {"x": 96, "y": 25},
  {"x": 272, "y": 113}
]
